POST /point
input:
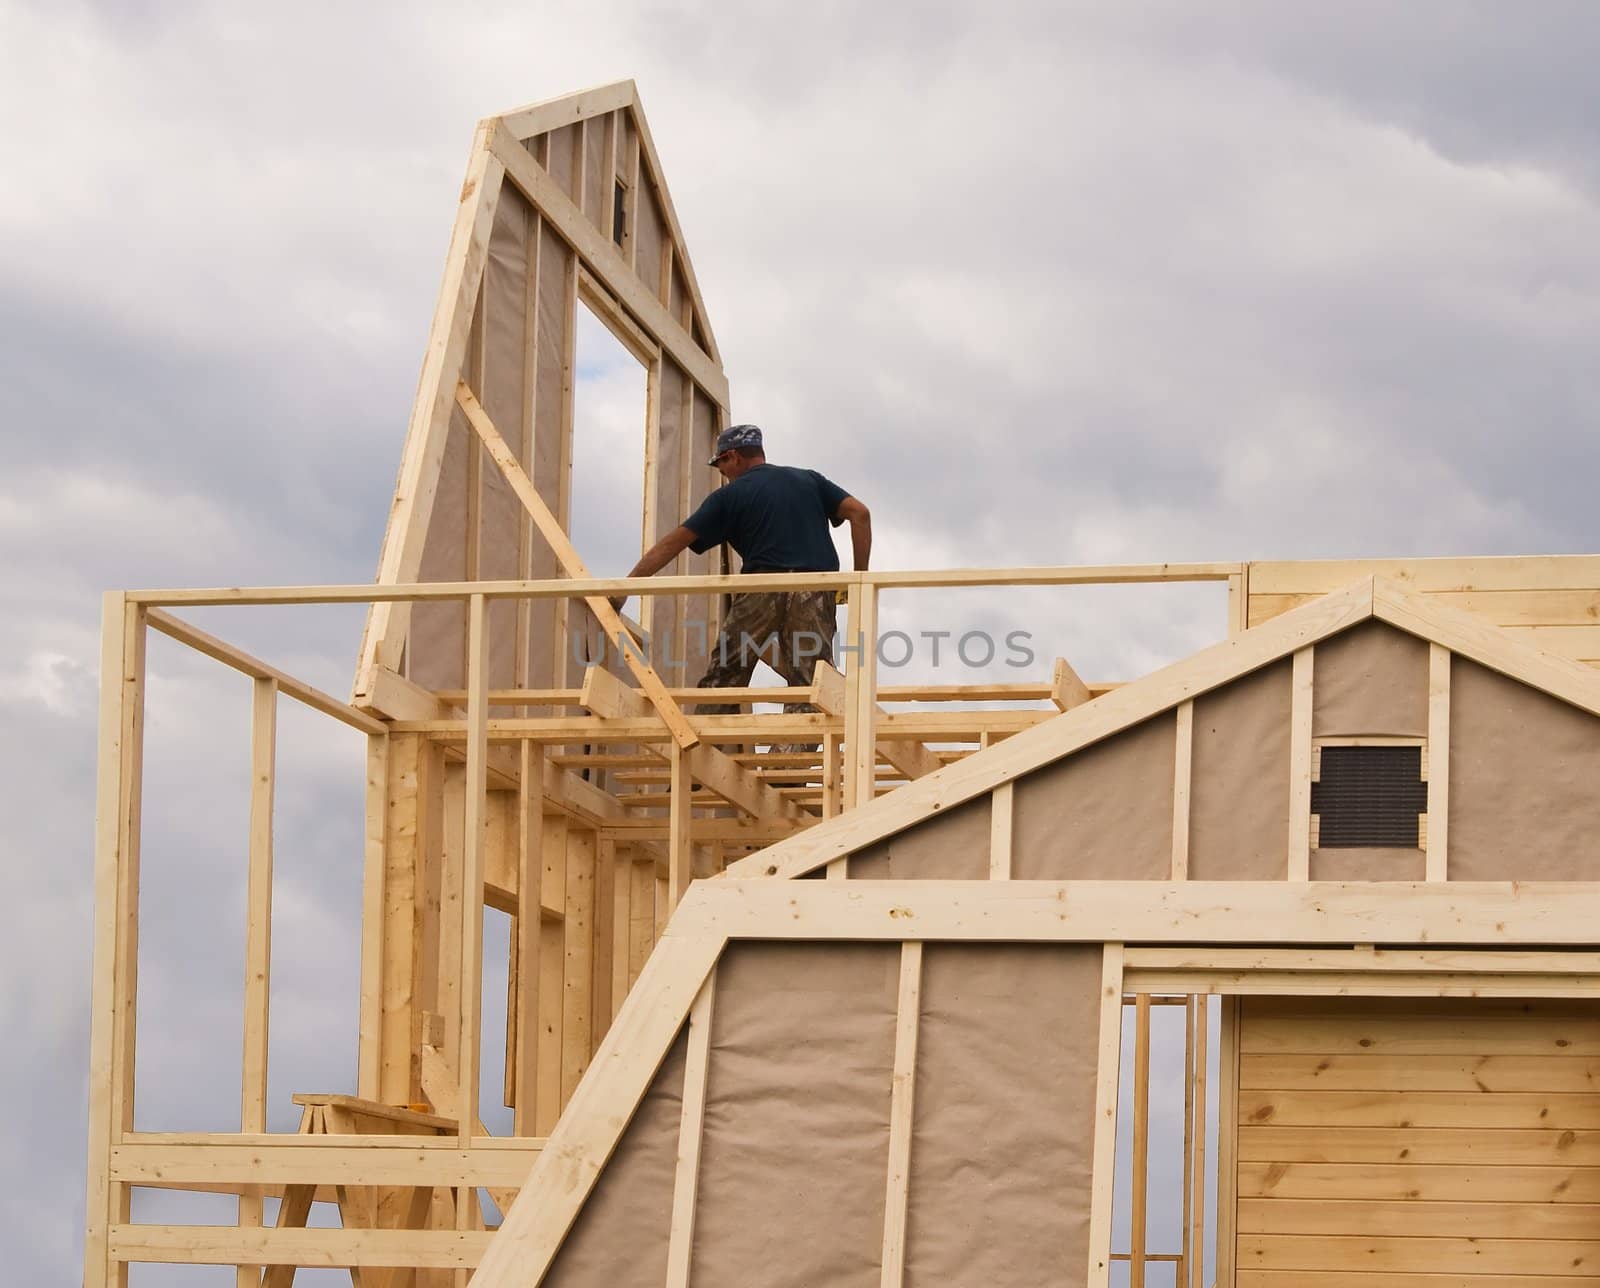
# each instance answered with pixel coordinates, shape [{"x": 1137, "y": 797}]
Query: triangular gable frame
[
  {"x": 498, "y": 155},
  {"x": 1371, "y": 598}
]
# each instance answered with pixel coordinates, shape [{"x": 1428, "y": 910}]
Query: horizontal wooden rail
[
  {"x": 575, "y": 588},
  {"x": 212, "y": 647}
]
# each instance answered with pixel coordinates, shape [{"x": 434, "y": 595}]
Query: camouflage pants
[{"x": 788, "y": 630}]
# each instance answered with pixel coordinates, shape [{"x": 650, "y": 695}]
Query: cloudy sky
[{"x": 1060, "y": 283}]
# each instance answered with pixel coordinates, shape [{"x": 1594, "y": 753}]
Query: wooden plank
[
  {"x": 295, "y": 1160},
  {"x": 1066, "y": 689},
  {"x": 1108, "y": 1077},
  {"x": 649, "y": 1021},
  {"x": 1138, "y": 1239},
  {"x": 577, "y": 997},
  {"x": 369, "y": 1055},
  {"x": 1475, "y": 573},
  {"x": 1389, "y": 1182},
  {"x": 1378, "y": 1279},
  {"x": 412, "y": 506},
  {"x": 226, "y": 1245},
  {"x": 552, "y": 968},
  {"x": 830, "y": 693},
  {"x": 443, "y": 1087},
  {"x": 1412, "y": 1031},
  {"x": 530, "y": 868},
  {"x": 1422, "y": 1220},
  {"x": 681, "y": 828},
  {"x": 600, "y": 1008},
  {"x": 861, "y": 636},
  {"x": 180, "y": 630},
  {"x": 686, "y": 1177},
  {"x": 1229, "y": 1182},
  {"x": 1182, "y": 774},
  {"x": 1299, "y": 842},
  {"x": 567, "y": 556},
  {"x": 1001, "y": 811},
  {"x": 901, "y": 1101},
  {"x": 1468, "y": 1146},
  {"x": 258, "y": 931},
  {"x": 607, "y": 696},
  {"x": 475, "y": 814},
  {"x": 1220, "y": 912},
  {"x": 1197, "y": 1170},
  {"x": 121, "y": 696},
  {"x": 1461, "y": 1256},
  {"x": 552, "y": 113},
  {"x": 1044, "y": 743},
  {"x": 1494, "y": 1073},
  {"x": 1466, "y": 1109},
  {"x": 1438, "y": 763},
  {"x": 606, "y": 262}
]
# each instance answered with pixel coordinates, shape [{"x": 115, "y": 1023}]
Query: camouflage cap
[{"x": 736, "y": 436}]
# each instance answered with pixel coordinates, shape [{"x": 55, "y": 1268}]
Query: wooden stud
[
  {"x": 1108, "y": 1079},
  {"x": 861, "y": 634},
  {"x": 686, "y": 1179},
  {"x": 901, "y": 1099},
  {"x": 1196, "y": 1200},
  {"x": 470, "y": 1002},
  {"x": 1066, "y": 689},
  {"x": 1438, "y": 839},
  {"x": 369, "y": 1055},
  {"x": 681, "y": 827},
  {"x": 530, "y": 896},
  {"x": 577, "y": 983},
  {"x": 1141, "y": 1140},
  {"x": 407, "y": 532},
  {"x": 1299, "y": 840},
  {"x": 1228, "y": 1142},
  {"x": 567, "y": 556},
  {"x": 1000, "y": 820},
  {"x": 552, "y": 968},
  {"x": 1182, "y": 774}
]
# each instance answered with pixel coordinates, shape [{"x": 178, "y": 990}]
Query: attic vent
[
  {"x": 1369, "y": 796},
  {"x": 619, "y": 211}
]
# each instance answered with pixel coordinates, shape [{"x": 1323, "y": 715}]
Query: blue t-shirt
[{"x": 775, "y": 516}]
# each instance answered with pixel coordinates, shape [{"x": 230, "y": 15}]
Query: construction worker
[{"x": 776, "y": 517}]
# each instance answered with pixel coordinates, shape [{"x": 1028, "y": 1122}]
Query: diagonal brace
[{"x": 573, "y": 566}]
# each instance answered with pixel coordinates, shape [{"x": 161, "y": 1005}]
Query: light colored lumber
[
  {"x": 1299, "y": 840},
  {"x": 1066, "y": 689},
  {"x": 1228, "y": 1181},
  {"x": 369, "y": 1044},
  {"x": 180, "y": 630},
  {"x": 552, "y": 113},
  {"x": 244, "y": 1162},
  {"x": 562, "y": 215},
  {"x": 861, "y": 718},
  {"x": 1108, "y": 1074},
  {"x": 468, "y": 1045},
  {"x": 1138, "y": 1238},
  {"x": 441, "y": 1084},
  {"x": 567, "y": 556},
  {"x": 1462, "y": 1256},
  {"x": 599, "y": 1111},
  {"x": 227, "y": 1245},
  {"x": 1437, "y": 861},
  {"x": 530, "y": 870},
  {"x": 1418, "y": 1219},
  {"x": 830, "y": 694},
  {"x": 901, "y": 1106},
  {"x": 686, "y": 1177},
  {"x": 1182, "y": 774},
  {"x": 1001, "y": 812},
  {"x": 412, "y": 507}
]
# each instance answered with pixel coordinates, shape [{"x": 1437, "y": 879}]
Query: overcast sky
[{"x": 1042, "y": 283}]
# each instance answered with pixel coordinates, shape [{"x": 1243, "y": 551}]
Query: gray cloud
[{"x": 1049, "y": 283}]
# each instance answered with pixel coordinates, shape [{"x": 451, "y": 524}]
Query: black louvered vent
[{"x": 1369, "y": 796}]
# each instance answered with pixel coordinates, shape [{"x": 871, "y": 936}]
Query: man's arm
[
  {"x": 658, "y": 557},
  {"x": 860, "y": 520}
]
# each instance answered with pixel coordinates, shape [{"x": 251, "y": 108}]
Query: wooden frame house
[{"x": 896, "y": 1033}]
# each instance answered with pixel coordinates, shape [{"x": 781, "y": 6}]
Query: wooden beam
[
  {"x": 285, "y": 1247},
  {"x": 530, "y": 905},
  {"x": 607, "y": 696},
  {"x": 197, "y": 639},
  {"x": 1108, "y": 1072},
  {"x": 830, "y": 695},
  {"x": 1138, "y": 1237},
  {"x": 1299, "y": 839},
  {"x": 1182, "y": 773},
  {"x": 606, "y": 262},
  {"x": 901, "y": 1100},
  {"x": 258, "y": 935},
  {"x": 475, "y": 809},
  {"x": 1001, "y": 806},
  {"x": 686, "y": 1179},
  {"x": 1437, "y": 861},
  {"x": 412, "y": 507},
  {"x": 1066, "y": 689},
  {"x": 552, "y": 113},
  {"x": 567, "y": 556}
]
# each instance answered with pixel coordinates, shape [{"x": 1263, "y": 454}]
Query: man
[{"x": 776, "y": 517}]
